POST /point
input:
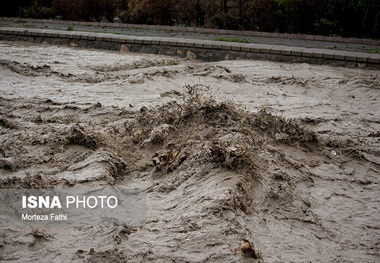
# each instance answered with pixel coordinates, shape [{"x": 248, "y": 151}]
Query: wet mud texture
[{"x": 254, "y": 179}]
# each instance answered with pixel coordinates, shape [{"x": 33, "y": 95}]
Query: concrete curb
[
  {"x": 278, "y": 50},
  {"x": 362, "y": 41}
]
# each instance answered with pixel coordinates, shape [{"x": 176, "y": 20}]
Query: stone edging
[
  {"x": 324, "y": 54},
  {"x": 363, "y": 41}
]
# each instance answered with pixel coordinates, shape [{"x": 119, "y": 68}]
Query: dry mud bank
[{"x": 243, "y": 161}]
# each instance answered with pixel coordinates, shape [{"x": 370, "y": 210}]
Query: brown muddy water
[{"x": 241, "y": 161}]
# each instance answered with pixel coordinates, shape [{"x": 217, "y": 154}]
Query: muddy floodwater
[{"x": 241, "y": 161}]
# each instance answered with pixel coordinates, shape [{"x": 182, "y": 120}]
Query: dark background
[{"x": 348, "y": 18}]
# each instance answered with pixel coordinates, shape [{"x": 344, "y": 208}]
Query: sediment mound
[{"x": 223, "y": 184}]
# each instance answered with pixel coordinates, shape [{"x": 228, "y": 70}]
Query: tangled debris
[{"x": 217, "y": 176}]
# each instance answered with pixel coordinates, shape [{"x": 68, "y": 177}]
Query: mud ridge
[{"x": 217, "y": 177}]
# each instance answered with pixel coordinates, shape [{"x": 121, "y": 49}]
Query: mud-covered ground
[{"x": 242, "y": 161}]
